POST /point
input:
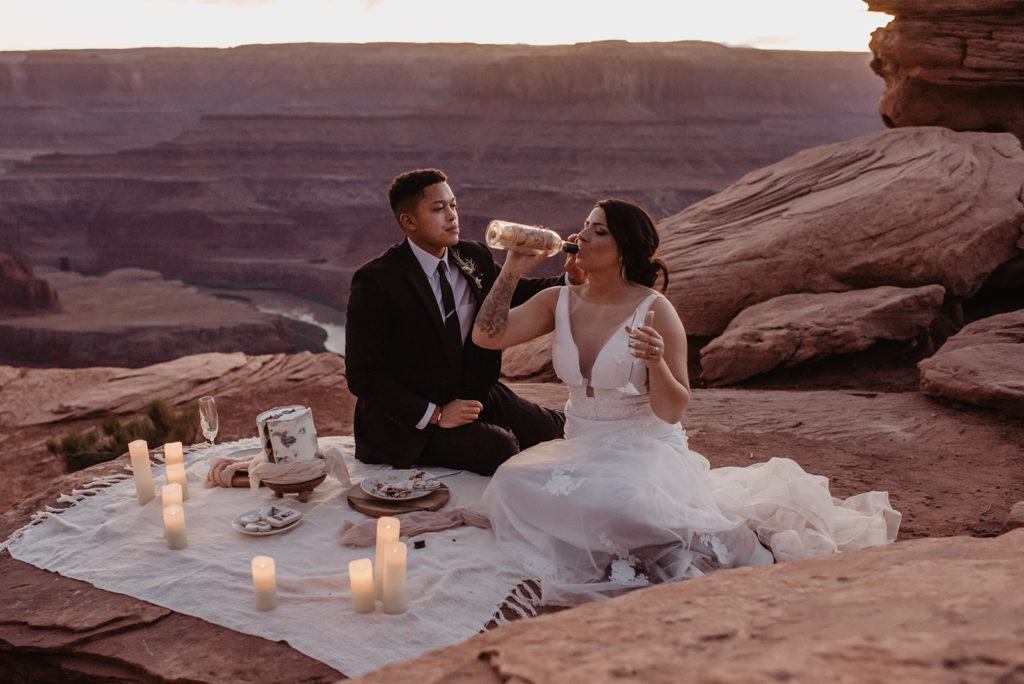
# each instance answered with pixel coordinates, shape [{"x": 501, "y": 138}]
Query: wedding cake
[{"x": 287, "y": 435}]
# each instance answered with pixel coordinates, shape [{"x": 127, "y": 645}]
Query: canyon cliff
[{"x": 266, "y": 166}]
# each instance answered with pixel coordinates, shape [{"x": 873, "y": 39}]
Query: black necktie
[{"x": 452, "y": 330}]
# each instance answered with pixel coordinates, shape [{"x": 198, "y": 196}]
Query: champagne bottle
[{"x": 518, "y": 237}]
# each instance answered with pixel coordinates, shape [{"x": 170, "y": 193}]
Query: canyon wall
[{"x": 266, "y": 166}]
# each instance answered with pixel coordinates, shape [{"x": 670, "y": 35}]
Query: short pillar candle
[
  {"x": 394, "y": 577},
  {"x": 138, "y": 451},
  {"x": 170, "y": 494},
  {"x": 264, "y": 582},
  {"x": 174, "y": 526},
  {"x": 387, "y": 532},
  {"x": 173, "y": 453},
  {"x": 360, "y": 578},
  {"x": 176, "y": 474}
]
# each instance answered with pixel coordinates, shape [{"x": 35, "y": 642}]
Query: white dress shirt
[{"x": 465, "y": 303}]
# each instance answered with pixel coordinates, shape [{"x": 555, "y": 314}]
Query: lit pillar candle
[
  {"x": 173, "y": 453},
  {"x": 264, "y": 582},
  {"x": 394, "y": 577},
  {"x": 138, "y": 451},
  {"x": 171, "y": 494},
  {"x": 176, "y": 474},
  {"x": 387, "y": 532},
  {"x": 174, "y": 526},
  {"x": 360, "y": 577}
]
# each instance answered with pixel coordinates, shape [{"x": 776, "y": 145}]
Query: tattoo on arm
[{"x": 492, "y": 318}]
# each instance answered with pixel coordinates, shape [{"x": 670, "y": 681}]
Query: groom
[{"x": 426, "y": 395}]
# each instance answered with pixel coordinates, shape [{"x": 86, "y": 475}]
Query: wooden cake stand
[
  {"x": 302, "y": 489},
  {"x": 374, "y": 507}
]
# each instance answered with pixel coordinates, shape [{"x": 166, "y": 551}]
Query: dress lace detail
[
  {"x": 561, "y": 482},
  {"x": 623, "y": 503}
]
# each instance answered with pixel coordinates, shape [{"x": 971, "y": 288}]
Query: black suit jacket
[{"x": 395, "y": 358}]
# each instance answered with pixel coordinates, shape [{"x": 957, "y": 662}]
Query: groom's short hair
[{"x": 407, "y": 188}]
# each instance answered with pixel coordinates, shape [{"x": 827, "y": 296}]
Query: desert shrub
[{"x": 159, "y": 424}]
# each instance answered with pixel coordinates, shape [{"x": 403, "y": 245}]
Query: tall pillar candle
[
  {"x": 176, "y": 473},
  {"x": 394, "y": 577},
  {"x": 360, "y": 578},
  {"x": 264, "y": 582},
  {"x": 138, "y": 451},
  {"x": 173, "y": 453},
  {"x": 387, "y": 532},
  {"x": 174, "y": 526}
]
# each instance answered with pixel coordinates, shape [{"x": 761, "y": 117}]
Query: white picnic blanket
[{"x": 455, "y": 584}]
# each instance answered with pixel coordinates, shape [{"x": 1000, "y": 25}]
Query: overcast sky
[{"x": 787, "y": 24}]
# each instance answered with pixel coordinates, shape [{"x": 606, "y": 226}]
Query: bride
[{"x": 621, "y": 502}]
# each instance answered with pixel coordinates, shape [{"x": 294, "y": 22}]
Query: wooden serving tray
[{"x": 374, "y": 507}]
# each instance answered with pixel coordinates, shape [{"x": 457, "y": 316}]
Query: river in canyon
[{"x": 327, "y": 318}]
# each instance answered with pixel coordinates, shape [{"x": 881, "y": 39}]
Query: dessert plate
[
  {"x": 238, "y": 525},
  {"x": 400, "y": 485}
]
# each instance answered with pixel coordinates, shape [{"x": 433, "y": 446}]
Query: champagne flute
[{"x": 208, "y": 420}]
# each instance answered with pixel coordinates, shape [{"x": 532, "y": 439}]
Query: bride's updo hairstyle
[{"x": 637, "y": 238}]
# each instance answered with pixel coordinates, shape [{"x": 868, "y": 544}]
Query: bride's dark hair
[{"x": 637, "y": 238}]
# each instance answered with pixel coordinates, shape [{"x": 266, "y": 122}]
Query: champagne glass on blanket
[{"x": 208, "y": 420}]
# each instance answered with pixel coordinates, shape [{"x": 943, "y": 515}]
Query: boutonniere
[{"x": 467, "y": 266}]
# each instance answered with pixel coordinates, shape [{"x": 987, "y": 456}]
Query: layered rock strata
[
  {"x": 134, "y": 318},
  {"x": 955, "y": 63},
  {"x": 301, "y": 141}
]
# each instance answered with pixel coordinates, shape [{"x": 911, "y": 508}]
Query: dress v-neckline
[{"x": 614, "y": 331}]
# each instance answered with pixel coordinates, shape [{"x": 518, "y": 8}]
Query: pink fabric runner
[{"x": 364, "y": 533}]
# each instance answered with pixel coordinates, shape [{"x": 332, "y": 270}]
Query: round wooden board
[{"x": 372, "y": 506}]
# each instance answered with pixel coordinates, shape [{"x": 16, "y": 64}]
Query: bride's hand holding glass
[{"x": 646, "y": 343}]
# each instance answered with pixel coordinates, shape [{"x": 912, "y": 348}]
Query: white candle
[
  {"x": 171, "y": 494},
  {"x": 387, "y": 532},
  {"x": 176, "y": 474},
  {"x": 394, "y": 577},
  {"x": 138, "y": 451},
  {"x": 173, "y": 453},
  {"x": 360, "y": 577},
  {"x": 264, "y": 582},
  {"x": 174, "y": 526}
]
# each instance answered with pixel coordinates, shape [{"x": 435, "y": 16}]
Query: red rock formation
[
  {"x": 794, "y": 329},
  {"x": 955, "y": 63},
  {"x": 983, "y": 364},
  {"x": 134, "y": 318},
  {"x": 20, "y": 289},
  {"x": 905, "y": 207}
]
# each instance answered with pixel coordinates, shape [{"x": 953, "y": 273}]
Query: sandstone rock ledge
[{"x": 927, "y": 610}]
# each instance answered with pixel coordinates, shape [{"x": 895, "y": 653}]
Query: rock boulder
[
  {"x": 946, "y": 609},
  {"x": 983, "y": 364},
  {"x": 793, "y": 329},
  {"x": 904, "y": 207}
]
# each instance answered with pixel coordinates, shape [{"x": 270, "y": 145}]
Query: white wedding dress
[{"x": 623, "y": 503}]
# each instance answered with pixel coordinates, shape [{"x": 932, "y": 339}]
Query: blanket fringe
[
  {"x": 522, "y": 602},
  {"x": 76, "y": 496}
]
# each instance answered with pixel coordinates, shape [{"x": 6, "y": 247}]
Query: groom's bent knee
[{"x": 478, "y": 447}]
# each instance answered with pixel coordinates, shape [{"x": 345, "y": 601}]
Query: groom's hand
[{"x": 459, "y": 412}]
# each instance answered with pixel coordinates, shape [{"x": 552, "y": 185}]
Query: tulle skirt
[{"x": 622, "y": 504}]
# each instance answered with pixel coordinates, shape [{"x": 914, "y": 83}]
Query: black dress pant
[{"x": 507, "y": 424}]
